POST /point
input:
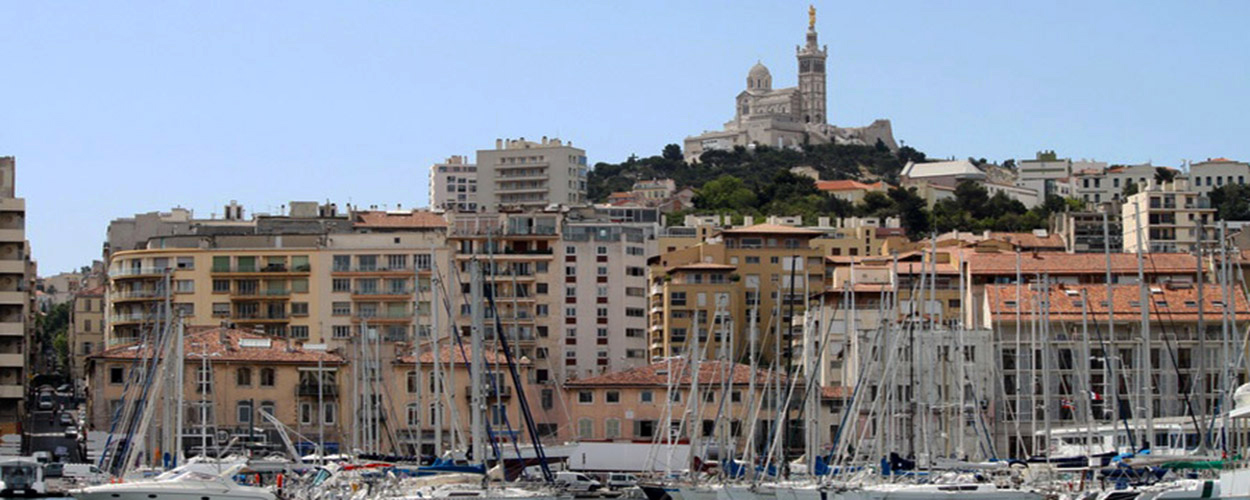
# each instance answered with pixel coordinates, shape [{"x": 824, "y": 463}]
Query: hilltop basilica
[{"x": 787, "y": 117}]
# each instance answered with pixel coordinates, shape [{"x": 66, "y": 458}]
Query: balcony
[
  {"x": 12, "y": 235},
  {"x": 11, "y": 391},
  {"x": 313, "y": 390},
  {"x": 124, "y": 318},
  {"x": 259, "y": 294},
  {"x": 268, "y": 270},
  {"x": 12, "y": 328},
  {"x": 138, "y": 272},
  {"x": 384, "y": 317},
  {"x": 383, "y": 294},
  {"x": 136, "y": 295},
  {"x": 13, "y": 297},
  {"x": 257, "y": 317},
  {"x": 12, "y": 266},
  {"x": 11, "y": 360}
]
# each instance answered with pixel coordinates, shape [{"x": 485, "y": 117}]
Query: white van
[
  {"x": 85, "y": 473},
  {"x": 576, "y": 481},
  {"x": 620, "y": 481}
]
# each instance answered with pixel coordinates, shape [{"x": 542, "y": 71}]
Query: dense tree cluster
[{"x": 759, "y": 182}]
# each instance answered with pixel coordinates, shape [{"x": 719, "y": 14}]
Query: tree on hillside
[
  {"x": 1231, "y": 202},
  {"x": 726, "y": 192},
  {"x": 672, "y": 152}
]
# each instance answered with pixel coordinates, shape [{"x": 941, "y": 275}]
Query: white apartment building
[
  {"x": 1049, "y": 175},
  {"x": 1167, "y": 217},
  {"x": 1106, "y": 185},
  {"x": 1211, "y": 174},
  {"x": 453, "y": 185},
  {"x": 525, "y": 174},
  {"x": 605, "y": 296}
]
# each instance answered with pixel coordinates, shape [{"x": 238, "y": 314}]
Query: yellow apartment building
[{"x": 766, "y": 268}]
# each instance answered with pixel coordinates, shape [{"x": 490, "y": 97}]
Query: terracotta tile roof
[
  {"x": 1030, "y": 240},
  {"x": 1167, "y": 303},
  {"x": 772, "y": 229},
  {"x": 91, "y": 292},
  {"x": 453, "y": 356},
  {"x": 418, "y": 219},
  {"x": 701, "y": 266},
  {"x": 662, "y": 373},
  {"x": 200, "y": 341},
  {"x": 1079, "y": 263},
  {"x": 886, "y": 232},
  {"x": 849, "y": 185},
  {"x": 835, "y": 392}
]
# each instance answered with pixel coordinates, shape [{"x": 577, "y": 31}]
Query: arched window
[
  {"x": 585, "y": 429},
  {"x": 243, "y": 376},
  {"x": 267, "y": 377}
]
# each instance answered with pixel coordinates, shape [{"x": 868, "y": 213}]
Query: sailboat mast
[
  {"x": 475, "y": 364},
  {"x": 1145, "y": 382},
  {"x": 436, "y": 349}
]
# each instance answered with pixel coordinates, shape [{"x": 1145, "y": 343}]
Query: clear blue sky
[{"x": 114, "y": 108}]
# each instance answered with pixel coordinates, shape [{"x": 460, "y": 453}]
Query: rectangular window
[
  {"x": 221, "y": 286},
  {"x": 646, "y": 397},
  {"x": 396, "y": 262},
  {"x": 306, "y": 414},
  {"x": 601, "y": 250},
  {"x": 585, "y": 397},
  {"x": 341, "y": 309},
  {"x": 243, "y": 412},
  {"x": 342, "y": 263},
  {"x": 187, "y": 263},
  {"x": 299, "y": 263},
  {"x": 341, "y": 331},
  {"x": 117, "y": 375},
  {"x": 184, "y": 286},
  {"x": 299, "y": 309},
  {"x": 221, "y": 309},
  {"x": 603, "y": 271},
  {"x": 540, "y": 288},
  {"x": 423, "y": 261},
  {"x": 299, "y": 331},
  {"x": 612, "y": 429},
  {"x": 221, "y": 263},
  {"x": 329, "y": 413},
  {"x": 341, "y": 285},
  {"x": 299, "y": 285},
  {"x": 612, "y": 397}
]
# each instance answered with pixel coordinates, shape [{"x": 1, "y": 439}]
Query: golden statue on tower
[{"x": 811, "y": 17}]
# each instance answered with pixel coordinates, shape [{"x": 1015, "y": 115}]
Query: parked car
[
  {"x": 576, "y": 481},
  {"x": 46, "y": 402},
  {"x": 619, "y": 481},
  {"x": 67, "y": 419},
  {"x": 71, "y": 432}
]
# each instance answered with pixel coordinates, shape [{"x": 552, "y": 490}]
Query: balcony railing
[
  {"x": 374, "y": 291},
  {"x": 373, "y": 269},
  {"x": 136, "y": 317},
  {"x": 261, "y": 293},
  {"x": 383, "y": 315},
  {"x": 261, "y": 315},
  {"x": 138, "y": 294},
  {"x": 137, "y": 271}
]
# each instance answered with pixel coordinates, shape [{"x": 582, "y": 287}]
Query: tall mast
[
  {"x": 1111, "y": 354},
  {"x": 475, "y": 365},
  {"x": 1145, "y": 382},
  {"x": 179, "y": 363},
  {"x": 1015, "y": 410},
  {"x": 436, "y": 348},
  {"x": 1200, "y": 377}
]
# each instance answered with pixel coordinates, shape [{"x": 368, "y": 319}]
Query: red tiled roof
[
  {"x": 835, "y": 392},
  {"x": 1166, "y": 302},
  {"x": 848, "y": 185},
  {"x": 675, "y": 371},
  {"x": 209, "y": 341},
  {"x": 419, "y": 219},
  {"x": 453, "y": 356},
  {"x": 1030, "y": 240},
  {"x": 91, "y": 292},
  {"x": 772, "y": 229},
  {"x": 1080, "y": 263}
]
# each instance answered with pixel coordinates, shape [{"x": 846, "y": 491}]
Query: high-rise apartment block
[
  {"x": 16, "y": 299},
  {"x": 453, "y": 185},
  {"x": 524, "y": 174}
]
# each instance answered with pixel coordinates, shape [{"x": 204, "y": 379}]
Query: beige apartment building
[
  {"x": 430, "y": 420},
  {"x": 86, "y": 329},
  {"x": 1167, "y": 217},
  {"x": 230, "y": 375},
  {"x": 316, "y": 287},
  {"x": 453, "y": 185},
  {"x": 524, "y": 174},
  {"x": 16, "y": 299},
  {"x": 631, "y": 405},
  {"x": 712, "y": 288}
]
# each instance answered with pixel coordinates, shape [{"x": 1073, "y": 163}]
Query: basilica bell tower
[{"x": 812, "y": 74}]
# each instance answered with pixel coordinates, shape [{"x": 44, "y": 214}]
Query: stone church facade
[{"x": 787, "y": 117}]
